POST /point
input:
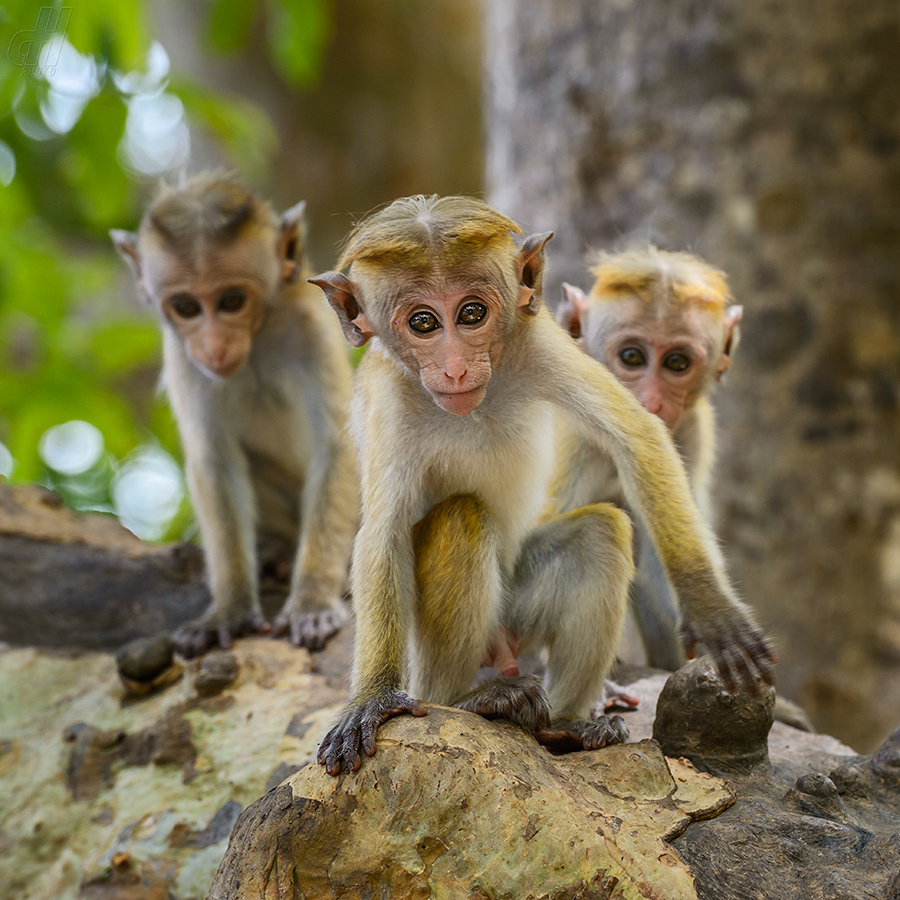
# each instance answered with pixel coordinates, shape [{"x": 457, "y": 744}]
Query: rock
[
  {"x": 796, "y": 832},
  {"x": 697, "y": 718},
  {"x": 145, "y": 658},
  {"x": 453, "y": 805},
  {"x": 102, "y": 799},
  {"x": 148, "y": 664},
  {"x": 215, "y": 671}
]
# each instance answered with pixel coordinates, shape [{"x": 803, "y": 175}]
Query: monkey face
[
  {"x": 664, "y": 363},
  {"x": 216, "y": 304},
  {"x": 449, "y": 340}
]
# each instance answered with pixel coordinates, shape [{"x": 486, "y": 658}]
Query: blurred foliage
[
  {"x": 296, "y": 31},
  {"x": 71, "y": 346}
]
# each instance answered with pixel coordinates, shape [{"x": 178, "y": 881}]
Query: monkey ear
[
  {"x": 530, "y": 266},
  {"x": 343, "y": 296},
  {"x": 731, "y": 325},
  {"x": 572, "y": 312},
  {"x": 292, "y": 241},
  {"x": 126, "y": 242}
]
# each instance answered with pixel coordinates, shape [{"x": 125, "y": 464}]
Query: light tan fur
[
  {"x": 645, "y": 298},
  {"x": 475, "y": 480},
  {"x": 268, "y": 461}
]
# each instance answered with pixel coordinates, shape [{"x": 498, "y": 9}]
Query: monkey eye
[
  {"x": 424, "y": 322},
  {"x": 185, "y": 306},
  {"x": 632, "y": 357},
  {"x": 471, "y": 313},
  {"x": 677, "y": 362},
  {"x": 232, "y": 300}
]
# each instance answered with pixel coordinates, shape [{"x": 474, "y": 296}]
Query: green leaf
[
  {"x": 298, "y": 33},
  {"x": 90, "y": 165},
  {"x": 229, "y": 23},
  {"x": 121, "y": 347},
  {"x": 244, "y": 129}
]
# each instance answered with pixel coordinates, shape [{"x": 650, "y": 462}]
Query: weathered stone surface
[
  {"x": 104, "y": 797},
  {"x": 832, "y": 833},
  {"x": 455, "y": 806},
  {"x": 696, "y": 717}
]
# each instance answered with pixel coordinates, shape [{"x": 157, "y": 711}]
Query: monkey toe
[
  {"x": 357, "y": 729},
  {"x": 582, "y": 734},
  {"x": 521, "y": 700},
  {"x": 312, "y": 630}
]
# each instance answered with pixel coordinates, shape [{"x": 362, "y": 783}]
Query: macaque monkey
[
  {"x": 664, "y": 325},
  {"x": 455, "y": 417},
  {"x": 258, "y": 376}
]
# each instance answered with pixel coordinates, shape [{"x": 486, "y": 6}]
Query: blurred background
[{"x": 764, "y": 137}]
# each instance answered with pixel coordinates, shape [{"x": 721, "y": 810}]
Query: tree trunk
[{"x": 766, "y": 138}]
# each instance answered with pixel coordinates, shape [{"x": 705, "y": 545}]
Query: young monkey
[
  {"x": 454, "y": 415},
  {"x": 258, "y": 376},
  {"x": 664, "y": 325}
]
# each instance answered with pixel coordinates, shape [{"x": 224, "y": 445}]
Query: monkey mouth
[
  {"x": 459, "y": 403},
  {"x": 224, "y": 371}
]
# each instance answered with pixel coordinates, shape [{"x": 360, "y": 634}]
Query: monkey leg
[
  {"x": 223, "y": 499},
  {"x": 569, "y": 595},
  {"x": 655, "y": 607},
  {"x": 458, "y": 604}
]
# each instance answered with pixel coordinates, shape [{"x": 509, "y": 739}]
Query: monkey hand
[
  {"x": 217, "y": 626},
  {"x": 357, "y": 726},
  {"x": 566, "y": 735},
  {"x": 521, "y": 700},
  {"x": 741, "y": 652},
  {"x": 310, "y": 628}
]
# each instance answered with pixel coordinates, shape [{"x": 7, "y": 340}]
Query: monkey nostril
[{"x": 456, "y": 369}]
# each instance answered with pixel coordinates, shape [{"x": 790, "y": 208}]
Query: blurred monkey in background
[
  {"x": 665, "y": 325},
  {"x": 258, "y": 377}
]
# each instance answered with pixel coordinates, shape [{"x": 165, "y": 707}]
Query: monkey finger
[
  {"x": 367, "y": 738},
  {"x": 223, "y": 632},
  {"x": 743, "y": 671},
  {"x": 763, "y": 657},
  {"x": 689, "y": 641}
]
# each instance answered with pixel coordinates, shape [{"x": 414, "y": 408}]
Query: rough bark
[
  {"x": 71, "y": 580},
  {"x": 766, "y": 138}
]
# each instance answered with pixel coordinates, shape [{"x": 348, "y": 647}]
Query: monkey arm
[
  {"x": 695, "y": 438},
  {"x": 222, "y": 494},
  {"x": 329, "y": 512},
  {"x": 382, "y": 583},
  {"x": 656, "y": 486}
]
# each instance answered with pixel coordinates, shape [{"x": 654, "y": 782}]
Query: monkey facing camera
[
  {"x": 665, "y": 325},
  {"x": 258, "y": 378},
  {"x": 455, "y": 411}
]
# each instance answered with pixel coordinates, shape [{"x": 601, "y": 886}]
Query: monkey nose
[{"x": 456, "y": 369}]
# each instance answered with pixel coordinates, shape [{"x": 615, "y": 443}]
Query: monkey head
[
  {"x": 660, "y": 322},
  {"x": 210, "y": 257},
  {"x": 441, "y": 283}
]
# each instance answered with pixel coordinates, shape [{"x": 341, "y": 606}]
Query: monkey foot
[
  {"x": 580, "y": 734},
  {"x": 356, "y": 729},
  {"x": 195, "y": 638},
  {"x": 309, "y": 629},
  {"x": 614, "y": 697},
  {"x": 521, "y": 700}
]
